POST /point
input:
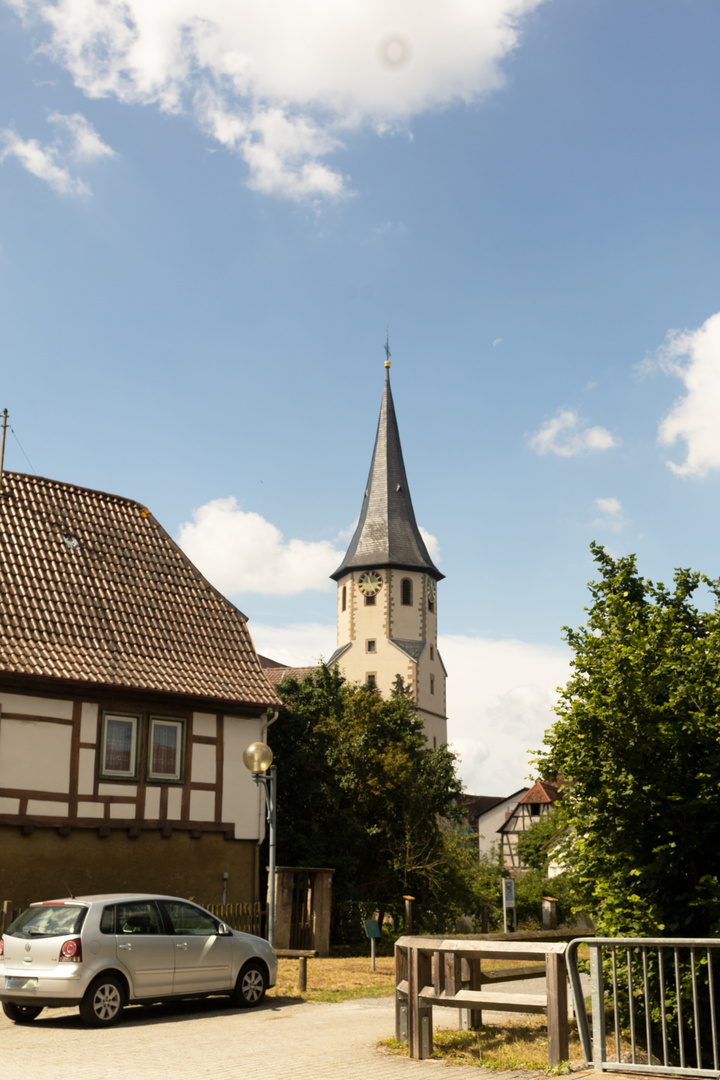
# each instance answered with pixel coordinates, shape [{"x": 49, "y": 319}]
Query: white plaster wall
[
  {"x": 36, "y": 706},
  {"x": 241, "y": 797},
  {"x": 204, "y": 764},
  {"x": 86, "y": 772},
  {"x": 202, "y": 805},
  {"x": 205, "y": 724},
  {"x": 152, "y": 803},
  {"x": 9, "y": 806},
  {"x": 174, "y": 811},
  {"x": 490, "y": 822},
  {"x": 48, "y": 809},
  {"x": 123, "y": 810},
  {"x": 88, "y": 722},
  {"x": 117, "y": 789},
  {"x": 91, "y": 809},
  {"x": 35, "y": 755}
]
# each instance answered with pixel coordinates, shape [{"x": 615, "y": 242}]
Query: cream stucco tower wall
[{"x": 387, "y": 602}]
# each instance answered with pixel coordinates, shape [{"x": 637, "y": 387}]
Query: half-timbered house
[
  {"x": 129, "y": 688},
  {"x": 541, "y": 797}
]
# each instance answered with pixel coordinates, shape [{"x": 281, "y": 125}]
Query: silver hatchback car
[{"x": 102, "y": 952}]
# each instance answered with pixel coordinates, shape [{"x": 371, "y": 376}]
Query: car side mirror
[{"x": 224, "y": 930}]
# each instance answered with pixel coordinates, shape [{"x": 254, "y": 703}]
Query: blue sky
[{"x": 208, "y": 219}]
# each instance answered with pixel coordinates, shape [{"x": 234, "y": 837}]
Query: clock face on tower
[
  {"x": 431, "y": 590},
  {"x": 370, "y": 583}
]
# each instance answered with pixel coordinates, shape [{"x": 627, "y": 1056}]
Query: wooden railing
[
  {"x": 244, "y": 917},
  {"x": 429, "y": 972}
]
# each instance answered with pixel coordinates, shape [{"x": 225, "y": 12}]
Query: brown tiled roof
[
  {"x": 277, "y": 673},
  {"x": 94, "y": 590},
  {"x": 542, "y": 792}
]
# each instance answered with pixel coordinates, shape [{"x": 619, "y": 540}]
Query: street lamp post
[{"x": 258, "y": 759}]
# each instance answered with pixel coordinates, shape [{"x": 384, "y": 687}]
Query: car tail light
[
  {"x": 2, "y": 948},
  {"x": 71, "y": 951}
]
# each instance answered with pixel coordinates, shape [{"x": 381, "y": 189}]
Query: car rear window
[{"x": 48, "y": 920}]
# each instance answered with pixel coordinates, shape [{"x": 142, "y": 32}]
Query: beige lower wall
[{"x": 45, "y": 865}]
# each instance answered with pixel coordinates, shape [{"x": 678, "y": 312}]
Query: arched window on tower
[
  {"x": 406, "y": 592},
  {"x": 344, "y": 597}
]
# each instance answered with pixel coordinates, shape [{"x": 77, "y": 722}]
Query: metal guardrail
[{"x": 662, "y": 994}]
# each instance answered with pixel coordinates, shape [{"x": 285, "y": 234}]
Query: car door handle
[
  {"x": 181, "y": 945},
  {"x": 128, "y": 946}
]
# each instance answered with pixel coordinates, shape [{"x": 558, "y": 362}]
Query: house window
[
  {"x": 535, "y": 809},
  {"x": 370, "y": 601},
  {"x": 431, "y": 605},
  {"x": 406, "y": 591},
  {"x": 432, "y": 684},
  {"x": 371, "y": 681},
  {"x": 432, "y": 653},
  {"x": 344, "y": 597},
  {"x": 165, "y": 749},
  {"x": 371, "y": 645},
  {"x": 119, "y": 753}
]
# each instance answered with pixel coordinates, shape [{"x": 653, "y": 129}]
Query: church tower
[{"x": 387, "y": 588}]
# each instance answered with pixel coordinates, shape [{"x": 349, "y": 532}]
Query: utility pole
[{"x": 2, "y": 443}]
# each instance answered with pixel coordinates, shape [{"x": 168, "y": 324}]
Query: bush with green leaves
[{"x": 638, "y": 741}]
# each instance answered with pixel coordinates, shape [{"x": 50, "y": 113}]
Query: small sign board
[
  {"x": 372, "y": 929},
  {"x": 508, "y": 892}
]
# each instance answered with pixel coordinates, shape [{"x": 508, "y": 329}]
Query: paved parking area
[{"x": 195, "y": 1040}]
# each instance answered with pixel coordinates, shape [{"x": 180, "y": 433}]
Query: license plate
[{"x": 21, "y": 984}]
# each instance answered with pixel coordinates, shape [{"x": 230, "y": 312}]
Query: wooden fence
[
  {"x": 429, "y": 972},
  {"x": 245, "y": 917}
]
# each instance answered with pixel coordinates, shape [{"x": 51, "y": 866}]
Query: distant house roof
[
  {"x": 477, "y": 805},
  {"x": 543, "y": 792},
  {"x": 93, "y": 590},
  {"x": 276, "y": 672}
]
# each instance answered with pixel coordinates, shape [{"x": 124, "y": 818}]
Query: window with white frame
[
  {"x": 165, "y": 749},
  {"x": 119, "y": 752}
]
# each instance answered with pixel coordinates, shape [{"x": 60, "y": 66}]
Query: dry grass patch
[
  {"x": 515, "y": 1044},
  {"x": 337, "y": 979}
]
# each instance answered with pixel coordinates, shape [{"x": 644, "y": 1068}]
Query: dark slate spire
[{"x": 387, "y": 533}]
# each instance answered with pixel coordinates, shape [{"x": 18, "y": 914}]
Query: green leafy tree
[
  {"x": 532, "y": 844},
  {"x": 360, "y": 791},
  {"x": 638, "y": 740}
]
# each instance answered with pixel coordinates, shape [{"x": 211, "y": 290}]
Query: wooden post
[
  {"x": 475, "y": 1017},
  {"x": 557, "y": 1010},
  {"x": 419, "y": 1017},
  {"x": 302, "y": 973}
]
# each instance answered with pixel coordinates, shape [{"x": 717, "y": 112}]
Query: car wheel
[
  {"x": 103, "y": 1002},
  {"x": 20, "y": 1014},
  {"x": 250, "y": 986}
]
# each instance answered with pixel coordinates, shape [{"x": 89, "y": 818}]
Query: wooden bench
[
  {"x": 303, "y": 955},
  {"x": 434, "y": 971}
]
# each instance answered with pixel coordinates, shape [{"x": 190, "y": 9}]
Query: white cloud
[
  {"x": 499, "y": 699},
  {"x": 77, "y": 141},
  {"x": 694, "y": 357},
  {"x": 613, "y": 517},
  {"x": 85, "y": 143},
  {"x": 565, "y": 436},
  {"x": 431, "y": 543},
  {"x": 297, "y": 645},
  {"x": 240, "y": 552},
  {"x": 279, "y": 85}
]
